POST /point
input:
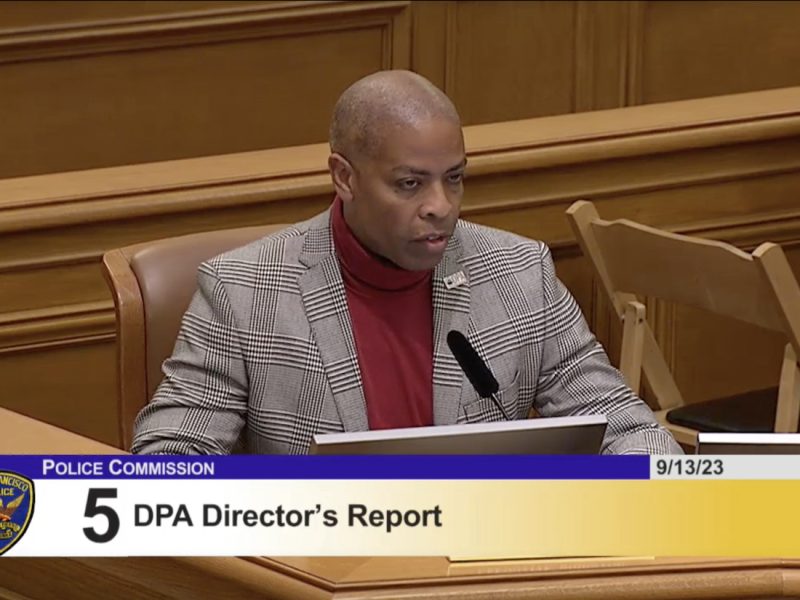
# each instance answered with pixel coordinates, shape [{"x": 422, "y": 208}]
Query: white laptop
[
  {"x": 748, "y": 443},
  {"x": 555, "y": 435}
]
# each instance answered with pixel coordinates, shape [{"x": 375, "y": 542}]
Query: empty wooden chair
[{"x": 632, "y": 261}]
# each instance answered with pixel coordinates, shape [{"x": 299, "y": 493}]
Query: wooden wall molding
[
  {"x": 637, "y": 184},
  {"x": 584, "y": 56},
  {"x": 429, "y": 40},
  {"x": 135, "y": 204},
  {"x": 602, "y": 49},
  {"x": 69, "y": 259},
  {"x": 749, "y": 231},
  {"x": 58, "y": 326},
  {"x": 190, "y": 185},
  {"x": 451, "y": 49},
  {"x": 132, "y": 204},
  {"x": 194, "y": 27},
  {"x": 633, "y": 137},
  {"x": 635, "y": 55}
]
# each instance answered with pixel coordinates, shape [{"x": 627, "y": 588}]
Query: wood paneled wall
[
  {"x": 513, "y": 60},
  {"x": 94, "y": 84},
  {"x": 82, "y": 85},
  {"x": 724, "y": 167}
]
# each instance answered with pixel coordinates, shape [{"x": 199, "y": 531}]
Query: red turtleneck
[{"x": 392, "y": 316}]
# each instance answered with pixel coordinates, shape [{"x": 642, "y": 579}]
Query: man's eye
[
  {"x": 455, "y": 178},
  {"x": 408, "y": 184}
]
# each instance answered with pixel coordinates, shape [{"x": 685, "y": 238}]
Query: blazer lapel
[
  {"x": 451, "y": 306},
  {"x": 325, "y": 302}
]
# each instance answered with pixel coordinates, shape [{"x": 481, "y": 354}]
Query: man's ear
[{"x": 342, "y": 176}]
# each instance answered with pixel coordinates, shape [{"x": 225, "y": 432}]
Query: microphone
[{"x": 475, "y": 369}]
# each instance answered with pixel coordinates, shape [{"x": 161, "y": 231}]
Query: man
[{"x": 340, "y": 323}]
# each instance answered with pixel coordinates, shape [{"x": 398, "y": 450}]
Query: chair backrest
[
  {"x": 152, "y": 284},
  {"x": 632, "y": 260}
]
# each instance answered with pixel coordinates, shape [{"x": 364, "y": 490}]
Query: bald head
[{"x": 370, "y": 108}]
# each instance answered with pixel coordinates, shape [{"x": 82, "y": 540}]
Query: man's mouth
[
  {"x": 433, "y": 242},
  {"x": 432, "y": 237}
]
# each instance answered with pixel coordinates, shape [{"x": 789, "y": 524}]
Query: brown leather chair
[{"x": 152, "y": 284}]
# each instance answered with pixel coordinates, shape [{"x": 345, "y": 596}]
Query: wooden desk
[
  {"x": 361, "y": 578},
  {"x": 396, "y": 578},
  {"x": 23, "y": 435}
]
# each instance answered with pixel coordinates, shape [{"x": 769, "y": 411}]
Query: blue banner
[{"x": 386, "y": 467}]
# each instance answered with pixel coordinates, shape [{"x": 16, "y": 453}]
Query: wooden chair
[
  {"x": 632, "y": 261},
  {"x": 152, "y": 284}
]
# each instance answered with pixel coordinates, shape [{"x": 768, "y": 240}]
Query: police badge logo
[{"x": 16, "y": 508}]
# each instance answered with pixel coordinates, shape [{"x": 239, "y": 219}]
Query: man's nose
[{"x": 438, "y": 203}]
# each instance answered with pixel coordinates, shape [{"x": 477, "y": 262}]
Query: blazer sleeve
[
  {"x": 201, "y": 405},
  {"x": 577, "y": 378}
]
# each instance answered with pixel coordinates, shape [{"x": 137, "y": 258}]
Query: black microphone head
[{"x": 472, "y": 364}]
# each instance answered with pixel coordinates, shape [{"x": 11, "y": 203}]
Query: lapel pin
[{"x": 455, "y": 280}]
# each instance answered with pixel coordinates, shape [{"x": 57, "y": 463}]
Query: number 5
[{"x": 92, "y": 510}]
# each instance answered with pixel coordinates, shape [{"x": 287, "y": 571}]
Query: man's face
[{"x": 403, "y": 202}]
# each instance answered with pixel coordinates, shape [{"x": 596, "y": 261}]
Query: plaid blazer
[{"x": 266, "y": 358}]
